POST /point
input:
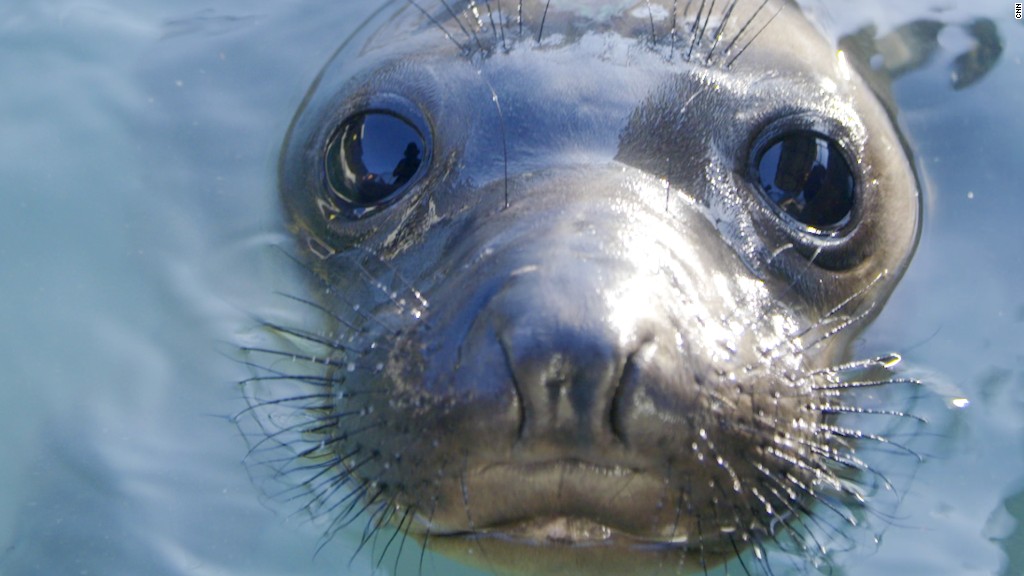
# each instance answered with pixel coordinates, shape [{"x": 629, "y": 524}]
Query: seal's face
[{"x": 589, "y": 272}]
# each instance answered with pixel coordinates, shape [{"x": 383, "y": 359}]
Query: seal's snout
[
  {"x": 562, "y": 326},
  {"x": 564, "y": 357}
]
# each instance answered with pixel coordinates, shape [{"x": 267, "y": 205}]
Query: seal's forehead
[
  {"x": 487, "y": 23},
  {"x": 533, "y": 11},
  {"x": 591, "y": 10},
  {"x": 708, "y": 32}
]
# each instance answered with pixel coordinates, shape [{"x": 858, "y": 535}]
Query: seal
[{"x": 586, "y": 276}]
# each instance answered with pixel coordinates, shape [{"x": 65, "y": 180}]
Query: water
[{"x": 140, "y": 231}]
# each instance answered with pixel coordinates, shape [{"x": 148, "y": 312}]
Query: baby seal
[{"x": 587, "y": 272}]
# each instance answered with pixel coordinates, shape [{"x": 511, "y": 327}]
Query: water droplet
[{"x": 890, "y": 360}]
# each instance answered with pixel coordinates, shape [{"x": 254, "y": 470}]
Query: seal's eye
[
  {"x": 371, "y": 157},
  {"x": 806, "y": 176}
]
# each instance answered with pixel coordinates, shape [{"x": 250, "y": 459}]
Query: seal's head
[{"x": 588, "y": 272}]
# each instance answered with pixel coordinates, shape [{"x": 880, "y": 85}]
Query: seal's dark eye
[
  {"x": 371, "y": 156},
  {"x": 805, "y": 175}
]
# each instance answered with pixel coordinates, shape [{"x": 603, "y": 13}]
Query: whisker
[
  {"x": 743, "y": 49},
  {"x": 833, "y": 316},
  {"x": 439, "y": 26},
  {"x": 326, "y": 361},
  {"x": 458, "y": 20},
  {"x": 520, "y": 17},
  {"x": 310, "y": 337},
  {"x": 501, "y": 26},
  {"x": 707, "y": 18},
  {"x": 376, "y": 521},
  {"x": 311, "y": 380},
  {"x": 426, "y": 537},
  {"x": 349, "y": 501},
  {"x": 718, "y": 32},
  {"x": 673, "y": 32},
  {"x": 839, "y": 327},
  {"x": 396, "y": 531},
  {"x": 490, "y": 16},
  {"x": 320, "y": 308},
  {"x": 409, "y": 514},
  {"x": 886, "y": 361},
  {"x": 543, "y": 19},
  {"x": 793, "y": 484},
  {"x": 743, "y": 28},
  {"x": 693, "y": 30},
  {"x": 654, "y": 32},
  {"x": 854, "y": 434},
  {"x": 842, "y": 409},
  {"x": 287, "y": 400},
  {"x": 798, "y": 513},
  {"x": 504, "y": 140},
  {"x": 346, "y": 520},
  {"x": 738, "y": 555},
  {"x": 396, "y": 276}
]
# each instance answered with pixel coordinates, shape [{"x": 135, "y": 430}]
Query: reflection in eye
[
  {"x": 807, "y": 177},
  {"x": 372, "y": 156}
]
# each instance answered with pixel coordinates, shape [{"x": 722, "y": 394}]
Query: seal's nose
[{"x": 565, "y": 358}]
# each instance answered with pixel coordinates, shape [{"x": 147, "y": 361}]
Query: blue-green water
[{"x": 138, "y": 235}]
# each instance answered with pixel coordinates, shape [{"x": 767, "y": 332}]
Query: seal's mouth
[
  {"x": 562, "y": 502},
  {"x": 563, "y": 531}
]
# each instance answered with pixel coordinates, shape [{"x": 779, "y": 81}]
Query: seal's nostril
[
  {"x": 564, "y": 362},
  {"x": 614, "y": 421},
  {"x": 565, "y": 379},
  {"x": 632, "y": 375},
  {"x": 568, "y": 375}
]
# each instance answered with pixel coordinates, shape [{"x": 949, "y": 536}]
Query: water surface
[{"x": 140, "y": 233}]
